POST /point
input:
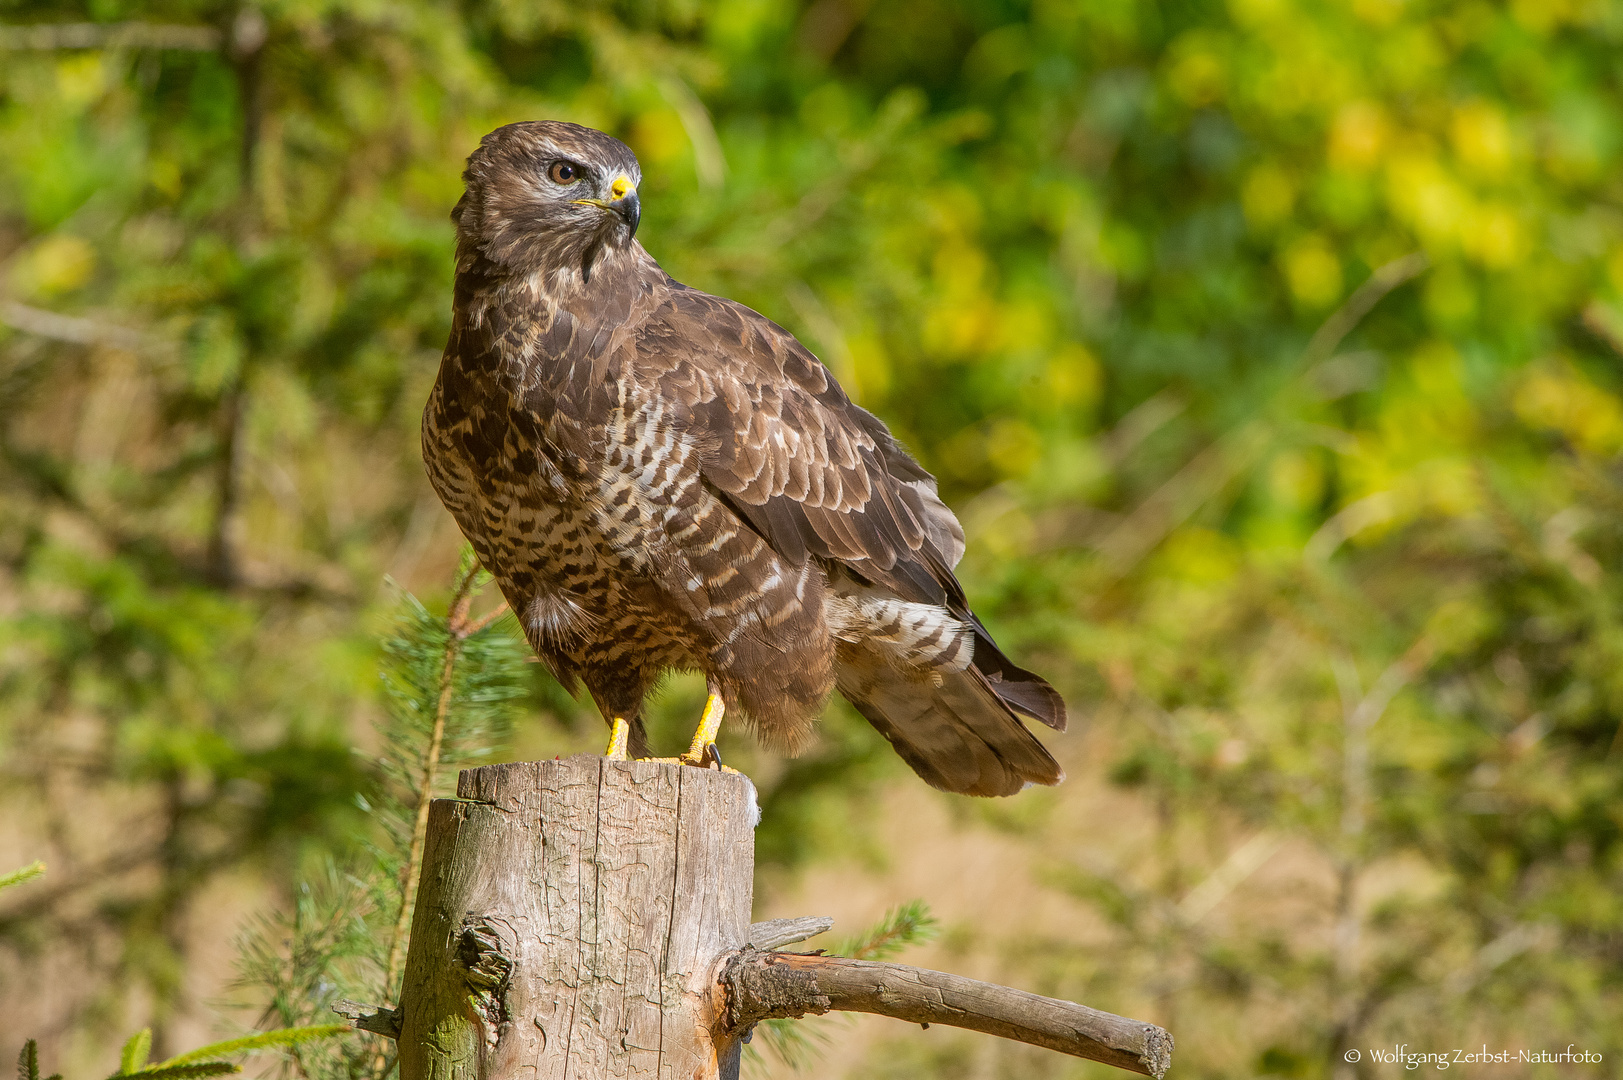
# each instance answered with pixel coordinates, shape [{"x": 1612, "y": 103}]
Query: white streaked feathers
[
  {"x": 912, "y": 637},
  {"x": 558, "y": 618}
]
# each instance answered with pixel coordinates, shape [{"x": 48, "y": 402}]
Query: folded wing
[{"x": 818, "y": 477}]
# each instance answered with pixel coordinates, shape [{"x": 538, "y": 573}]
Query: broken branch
[{"x": 768, "y": 985}]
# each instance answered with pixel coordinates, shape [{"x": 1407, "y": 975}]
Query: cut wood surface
[{"x": 774, "y": 984}]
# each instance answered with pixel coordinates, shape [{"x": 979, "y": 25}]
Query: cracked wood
[{"x": 571, "y": 920}]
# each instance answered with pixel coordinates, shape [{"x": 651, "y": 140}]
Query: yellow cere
[{"x": 620, "y": 188}]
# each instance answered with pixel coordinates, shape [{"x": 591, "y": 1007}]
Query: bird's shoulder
[{"x": 695, "y": 331}]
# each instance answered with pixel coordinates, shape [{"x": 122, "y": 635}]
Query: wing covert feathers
[{"x": 812, "y": 472}]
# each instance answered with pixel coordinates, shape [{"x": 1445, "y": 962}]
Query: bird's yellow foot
[
  {"x": 619, "y": 738},
  {"x": 702, "y": 751}
]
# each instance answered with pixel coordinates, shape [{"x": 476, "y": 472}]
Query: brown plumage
[{"x": 659, "y": 478}]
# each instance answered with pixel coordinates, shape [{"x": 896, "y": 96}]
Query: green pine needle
[
  {"x": 265, "y": 1040},
  {"x": 901, "y": 927},
  {"x": 134, "y": 1057},
  {"x": 193, "y": 1071},
  {"x": 28, "y": 1063},
  {"x": 17, "y": 877}
]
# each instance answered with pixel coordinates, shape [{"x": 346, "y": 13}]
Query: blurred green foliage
[
  {"x": 1349, "y": 602},
  {"x": 205, "y": 1061}
]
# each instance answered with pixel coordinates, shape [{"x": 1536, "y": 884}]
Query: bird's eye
[{"x": 563, "y": 172}]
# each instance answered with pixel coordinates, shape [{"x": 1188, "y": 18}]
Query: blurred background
[{"x": 1269, "y": 351}]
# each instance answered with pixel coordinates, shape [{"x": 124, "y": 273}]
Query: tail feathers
[
  {"x": 1029, "y": 695},
  {"x": 960, "y": 736},
  {"x": 1023, "y": 691}
]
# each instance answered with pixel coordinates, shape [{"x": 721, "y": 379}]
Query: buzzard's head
[{"x": 548, "y": 196}]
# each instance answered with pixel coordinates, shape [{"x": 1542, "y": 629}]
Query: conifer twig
[
  {"x": 28, "y": 1063},
  {"x": 264, "y": 1040},
  {"x": 470, "y": 629},
  {"x": 27, "y": 873},
  {"x": 457, "y": 624},
  {"x": 908, "y": 924}
]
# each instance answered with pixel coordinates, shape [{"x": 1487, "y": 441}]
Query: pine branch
[
  {"x": 204, "y": 1061},
  {"x": 456, "y": 619},
  {"x": 134, "y": 1057},
  {"x": 901, "y": 927},
  {"x": 486, "y": 620},
  {"x": 325, "y": 947},
  {"x": 265, "y": 1040},
  {"x": 28, "y": 873},
  {"x": 448, "y": 682},
  {"x": 28, "y": 1063},
  {"x": 180, "y": 1072},
  {"x": 474, "y": 674}
]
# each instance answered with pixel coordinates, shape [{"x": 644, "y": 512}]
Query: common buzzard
[{"x": 663, "y": 479}]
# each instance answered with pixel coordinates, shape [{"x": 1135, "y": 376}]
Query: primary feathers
[{"x": 659, "y": 478}]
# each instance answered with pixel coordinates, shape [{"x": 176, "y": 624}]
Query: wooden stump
[
  {"x": 572, "y": 920},
  {"x": 590, "y": 918}
]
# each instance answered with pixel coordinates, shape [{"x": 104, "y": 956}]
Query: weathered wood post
[
  {"x": 572, "y": 920},
  {"x": 590, "y": 918}
]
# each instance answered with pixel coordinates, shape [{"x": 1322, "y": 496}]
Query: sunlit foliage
[{"x": 1347, "y": 604}]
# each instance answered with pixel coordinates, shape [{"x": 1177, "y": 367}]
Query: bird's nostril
[{"x": 619, "y": 188}]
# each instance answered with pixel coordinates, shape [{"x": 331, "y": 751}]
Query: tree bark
[
  {"x": 590, "y": 918},
  {"x": 572, "y": 920}
]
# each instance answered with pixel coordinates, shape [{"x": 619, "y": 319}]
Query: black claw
[{"x": 711, "y": 753}]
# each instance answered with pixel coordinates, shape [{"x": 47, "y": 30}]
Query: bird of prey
[{"x": 662, "y": 479}]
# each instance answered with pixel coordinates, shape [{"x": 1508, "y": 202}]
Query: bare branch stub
[
  {"x": 378, "y": 1019},
  {"x": 767, "y": 985},
  {"x": 776, "y": 933}
]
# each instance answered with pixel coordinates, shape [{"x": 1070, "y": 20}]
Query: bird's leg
[
  {"x": 702, "y": 751},
  {"x": 619, "y": 736}
]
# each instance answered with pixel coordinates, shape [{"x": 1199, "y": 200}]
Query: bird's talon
[
  {"x": 702, "y": 750},
  {"x": 705, "y": 757}
]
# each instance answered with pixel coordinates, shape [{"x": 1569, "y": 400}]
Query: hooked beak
[
  {"x": 630, "y": 208},
  {"x": 622, "y": 200}
]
